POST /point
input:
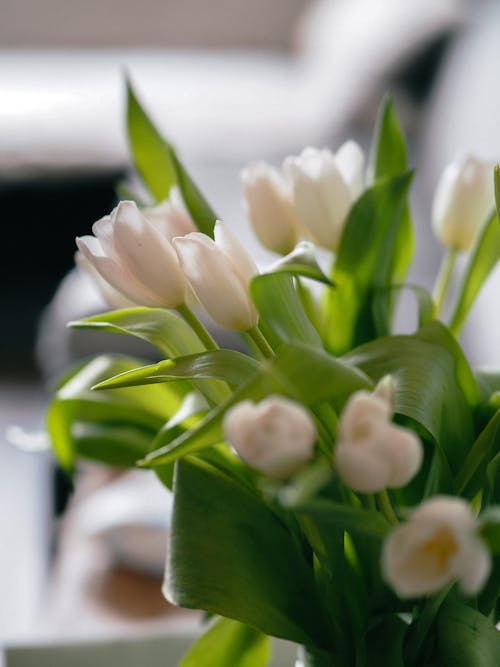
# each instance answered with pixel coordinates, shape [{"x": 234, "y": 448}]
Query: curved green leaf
[
  {"x": 78, "y": 417},
  {"x": 159, "y": 167},
  {"x": 466, "y": 638},
  {"x": 230, "y": 555},
  {"x": 229, "y": 365},
  {"x": 383, "y": 298},
  {"x": 301, "y": 262},
  {"x": 228, "y": 643},
  {"x": 472, "y": 474},
  {"x": 167, "y": 332},
  {"x": 428, "y": 388},
  {"x": 481, "y": 263},
  {"x": 278, "y": 303}
]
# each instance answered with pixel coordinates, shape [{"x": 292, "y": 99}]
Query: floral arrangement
[{"x": 336, "y": 485}]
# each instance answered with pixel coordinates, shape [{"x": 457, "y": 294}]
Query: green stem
[
  {"x": 386, "y": 506},
  {"x": 197, "y": 326},
  {"x": 443, "y": 279},
  {"x": 261, "y": 342}
]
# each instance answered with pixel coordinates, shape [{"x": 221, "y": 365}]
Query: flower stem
[
  {"x": 197, "y": 326},
  {"x": 443, "y": 279},
  {"x": 261, "y": 342},
  {"x": 385, "y": 505}
]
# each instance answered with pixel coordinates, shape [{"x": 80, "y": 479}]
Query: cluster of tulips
[{"x": 155, "y": 257}]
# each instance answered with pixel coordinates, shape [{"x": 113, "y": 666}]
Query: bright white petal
[{"x": 350, "y": 160}]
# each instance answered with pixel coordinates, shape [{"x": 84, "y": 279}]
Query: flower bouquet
[{"x": 336, "y": 484}]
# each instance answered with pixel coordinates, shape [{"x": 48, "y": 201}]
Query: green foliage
[
  {"x": 115, "y": 427},
  {"x": 481, "y": 263},
  {"x": 365, "y": 263},
  {"x": 159, "y": 167},
  {"x": 231, "y": 555},
  {"x": 229, "y": 644}
]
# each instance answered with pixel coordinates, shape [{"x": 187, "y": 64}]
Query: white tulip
[
  {"x": 171, "y": 217},
  {"x": 437, "y": 546},
  {"x": 219, "y": 272},
  {"x": 371, "y": 453},
  {"x": 275, "y": 436},
  {"x": 111, "y": 296},
  {"x": 325, "y": 185},
  {"x": 269, "y": 207},
  {"x": 464, "y": 198},
  {"x": 135, "y": 258}
]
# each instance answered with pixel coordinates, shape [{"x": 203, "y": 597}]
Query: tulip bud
[
  {"x": 269, "y": 207},
  {"x": 373, "y": 454},
  {"x": 111, "y": 296},
  {"x": 171, "y": 217},
  {"x": 463, "y": 199},
  {"x": 132, "y": 256},
  {"x": 219, "y": 272},
  {"x": 438, "y": 545},
  {"x": 325, "y": 185},
  {"x": 275, "y": 436}
]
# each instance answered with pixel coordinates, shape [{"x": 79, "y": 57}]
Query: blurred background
[{"x": 229, "y": 81}]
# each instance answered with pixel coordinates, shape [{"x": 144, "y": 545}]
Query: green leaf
[
  {"x": 430, "y": 384},
  {"x": 489, "y": 528},
  {"x": 228, "y": 643},
  {"x": 471, "y": 477},
  {"x": 388, "y": 156},
  {"x": 482, "y": 261},
  {"x": 302, "y": 373},
  {"x": 166, "y": 331},
  {"x": 389, "y": 159},
  {"x": 229, "y": 365},
  {"x": 159, "y": 167},
  {"x": 332, "y": 515},
  {"x": 466, "y": 638},
  {"x": 278, "y": 303},
  {"x": 364, "y": 263},
  {"x": 79, "y": 419},
  {"x": 231, "y": 555},
  {"x": 384, "y": 642}
]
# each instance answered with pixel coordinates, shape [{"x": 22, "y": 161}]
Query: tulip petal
[
  {"x": 241, "y": 261},
  {"x": 220, "y": 291},
  {"x": 350, "y": 161}
]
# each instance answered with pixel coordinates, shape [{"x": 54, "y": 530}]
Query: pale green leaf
[{"x": 228, "y": 643}]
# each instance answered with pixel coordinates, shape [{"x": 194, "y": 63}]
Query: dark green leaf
[
  {"x": 471, "y": 476},
  {"x": 229, "y": 554},
  {"x": 228, "y": 643},
  {"x": 364, "y": 263},
  {"x": 279, "y": 305},
  {"x": 482, "y": 261},
  {"x": 382, "y": 306},
  {"x": 466, "y": 638}
]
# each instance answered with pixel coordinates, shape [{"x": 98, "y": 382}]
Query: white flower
[
  {"x": 325, "y": 185},
  {"x": 275, "y": 436},
  {"x": 269, "y": 207},
  {"x": 219, "y": 272},
  {"x": 171, "y": 217},
  {"x": 436, "y": 547},
  {"x": 113, "y": 297},
  {"x": 373, "y": 454},
  {"x": 463, "y": 199},
  {"x": 133, "y": 256}
]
